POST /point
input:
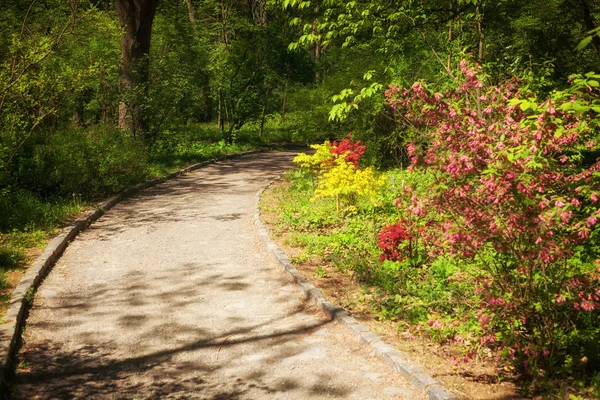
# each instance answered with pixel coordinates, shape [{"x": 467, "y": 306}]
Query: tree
[{"x": 135, "y": 18}]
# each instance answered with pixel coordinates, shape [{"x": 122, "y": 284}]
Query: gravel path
[{"x": 173, "y": 295}]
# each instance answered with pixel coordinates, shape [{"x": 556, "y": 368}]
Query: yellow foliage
[
  {"x": 339, "y": 179},
  {"x": 342, "y": 180},
  {"x": 315, "y": 163}
]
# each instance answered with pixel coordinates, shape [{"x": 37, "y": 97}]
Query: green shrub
[
  {"x": 90, "y": 162},
  {"x": 21, "y": 210}
]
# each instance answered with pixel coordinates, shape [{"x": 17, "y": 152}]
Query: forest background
[{"x": 98, "y": 95}]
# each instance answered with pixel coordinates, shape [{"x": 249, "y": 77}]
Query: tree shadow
[
  {"x": 51, "y": 371},
  {"x": 170, "y": 201}
]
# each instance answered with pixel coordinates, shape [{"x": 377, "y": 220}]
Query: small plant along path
[{"x": 173, "y": 295}]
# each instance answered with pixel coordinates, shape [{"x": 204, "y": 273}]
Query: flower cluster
[
  {"x": 352, "y": 151},
  {"x": 336, "y": 166},
  {"x": 391, "y": 238}
]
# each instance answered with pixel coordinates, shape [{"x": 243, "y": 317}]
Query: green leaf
[
  {"x": 584, "y": 43},
  {"x": 580, "y": 108},
  {"x": 566, "y": 106}
]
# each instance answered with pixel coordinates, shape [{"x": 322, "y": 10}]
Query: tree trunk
[
  {"x": 450, "y": 33},
  {"x": 190, "y": 8},
  {"x": 262, "y": 121},
  {"x": 479, "y": 17},
  {"x": 224, "y": 19},
  {"x": 284, "y": 100},
  {"x": 259, "y": 14},
  {"x": 220, "y": 112},
  {"x": 135, "y": 19},
  {"x": 315, "y": 46}
]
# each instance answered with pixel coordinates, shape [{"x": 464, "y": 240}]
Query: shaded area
[
  {"x": 92, "y": 371},
  {"x": 168, "y": 203}
]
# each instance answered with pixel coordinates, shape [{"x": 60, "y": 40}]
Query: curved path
[{"x": 172, "y": 294}]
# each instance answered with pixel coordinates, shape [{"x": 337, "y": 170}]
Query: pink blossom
[
  {"x": 588, "y": 305},
  {"x": 566, "y": 216},
  {"x": 583, "y": 234}
]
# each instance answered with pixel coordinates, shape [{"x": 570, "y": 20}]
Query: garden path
[{"x": 172, "y": 294}]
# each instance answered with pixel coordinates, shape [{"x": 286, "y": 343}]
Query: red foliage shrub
[
  {"x": 352, "y": 150},
  {"x": 390, "y": 240}
]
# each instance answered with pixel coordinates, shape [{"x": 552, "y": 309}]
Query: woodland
[{"x": 456, "y": 172}]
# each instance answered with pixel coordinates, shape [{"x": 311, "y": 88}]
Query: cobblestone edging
[
  {"x": 398, "y": 361},
  {"x": 22, "y": 296}
]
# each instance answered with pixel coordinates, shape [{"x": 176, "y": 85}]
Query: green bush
[
  {"x": 96, "y": 161},
  {"x": 21, "y": 210}
]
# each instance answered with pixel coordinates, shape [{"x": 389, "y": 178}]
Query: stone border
[
  {"x": 22, "y": 297},
  {"x": 394, "y": 358}
]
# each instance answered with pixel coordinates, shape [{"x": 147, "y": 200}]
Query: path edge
[
  {"x": 22, "y": 296},
  {"x": 397, "y": 360}
]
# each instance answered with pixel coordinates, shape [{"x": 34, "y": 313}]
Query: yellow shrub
[
  {"x": 315, "y": 163},
  {"x": 344, "y": 182}
]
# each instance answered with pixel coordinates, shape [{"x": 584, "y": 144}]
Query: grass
[{"x": 28, "y": 222}]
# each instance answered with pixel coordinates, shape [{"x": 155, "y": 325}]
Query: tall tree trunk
[
  {"x": 590, "y": 24},
  {"x": 262, "y": 121},
  {"x": 220, "y": 112},
  {"x": 135, "y": 19},
  {"x": 315, "y": 46},
  {"x": 450, "y": 33},
  {"x": 284, "y": 100},
  {"x": 480, "y": 54},
  {"x": 479, "y": 18},
  {"x": 224, "y": 20},
  {"x": 259, "y": 14},
  {"x": 190, "y": 8}
]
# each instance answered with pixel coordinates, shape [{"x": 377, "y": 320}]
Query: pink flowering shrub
[{"x": 517, "y": 194}]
